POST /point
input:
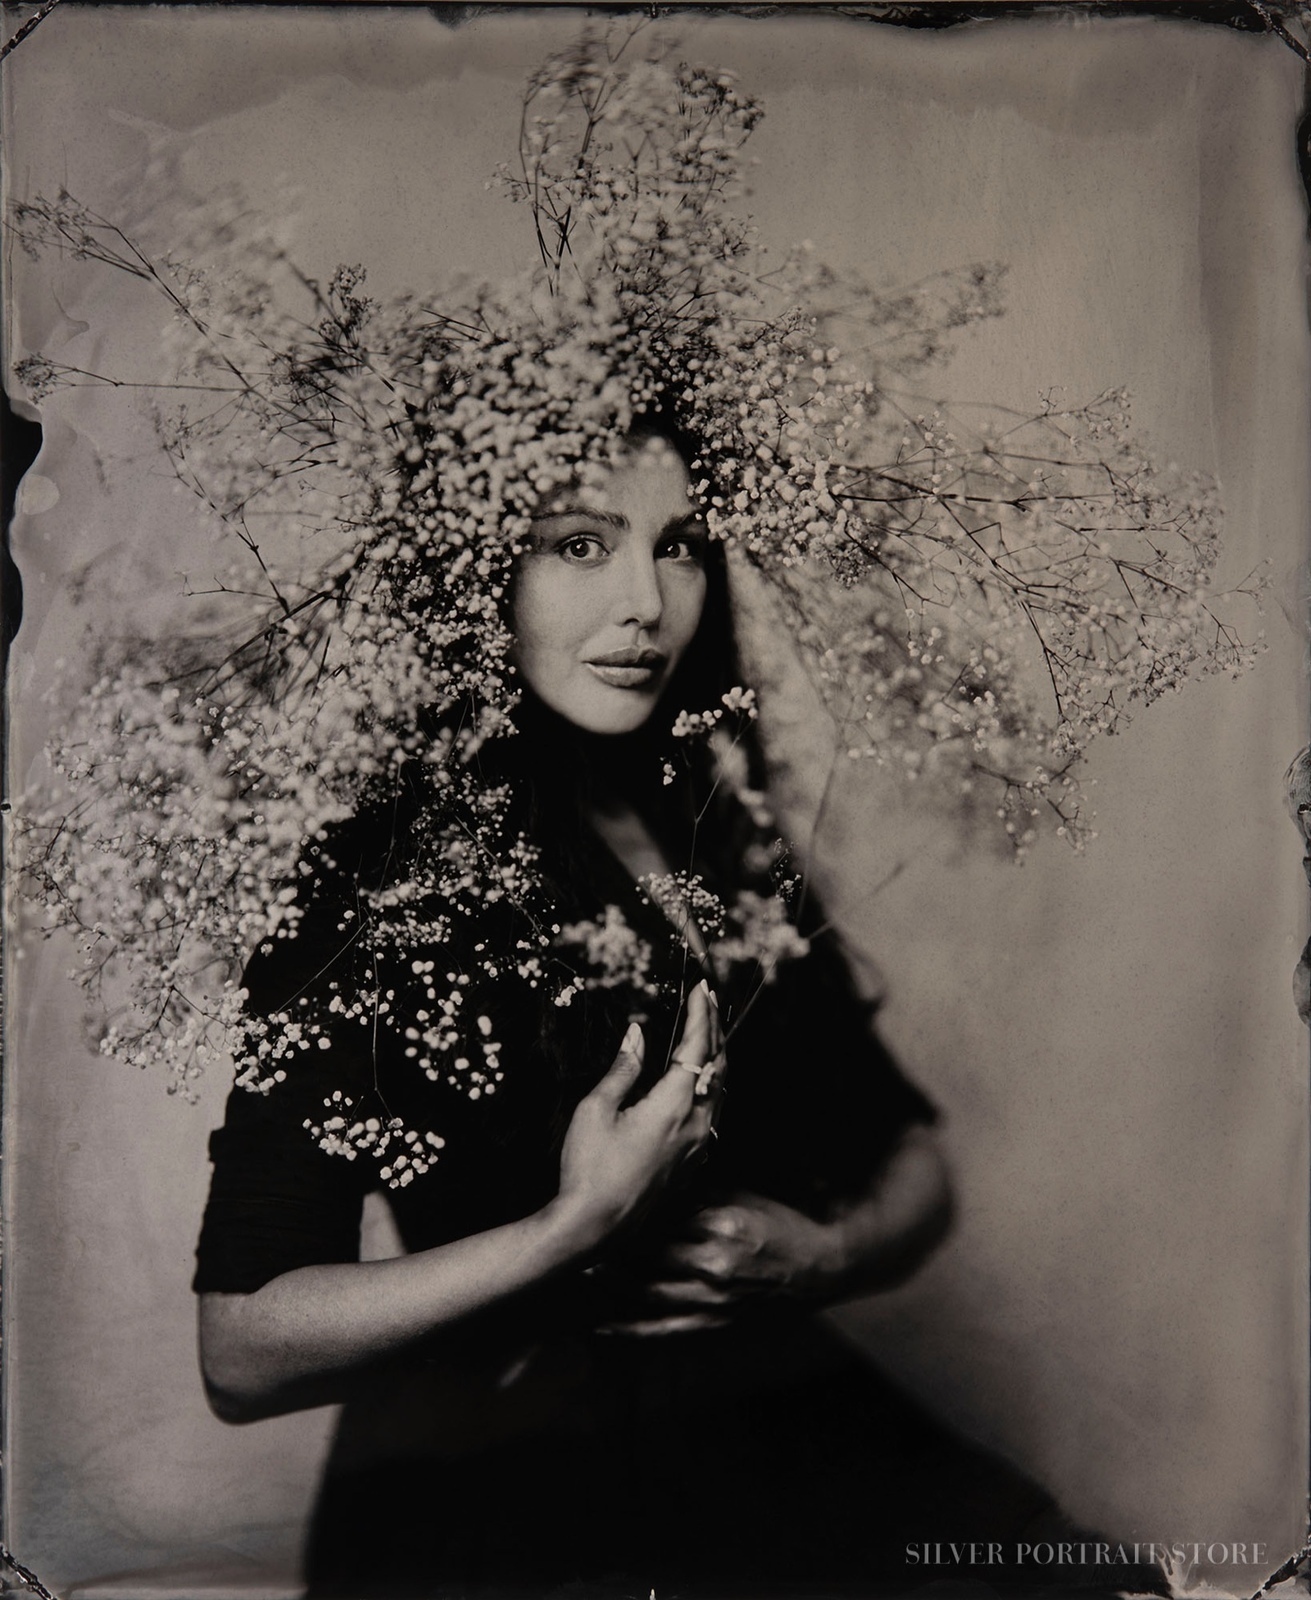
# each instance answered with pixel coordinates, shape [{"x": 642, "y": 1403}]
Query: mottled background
[{"x": 1112, "y": 1037}]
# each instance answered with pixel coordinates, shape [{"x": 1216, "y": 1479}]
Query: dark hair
[{"x": 558, "y": 769}]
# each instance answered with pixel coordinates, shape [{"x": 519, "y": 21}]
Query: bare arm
[
  {"x": 293, "y": 1342},
  {"x": 886, "y": 1235}
]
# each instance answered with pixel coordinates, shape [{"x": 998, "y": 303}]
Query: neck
[{"x": 620, "y": 826}]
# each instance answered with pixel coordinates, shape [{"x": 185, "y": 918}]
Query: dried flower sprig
[{"x": 975, "y": 603}]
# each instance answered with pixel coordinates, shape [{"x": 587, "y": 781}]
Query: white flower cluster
[
  {"x": 751, "y": 933},
  {"x": 684, "y": 898},
  {"x": 976, "y": 607},
  {"x": 615, "y": 955},
  {"x": 407, "y": 1154},
  {"x": 695, "y": 724},
  {"x": 757, "y": 931}
]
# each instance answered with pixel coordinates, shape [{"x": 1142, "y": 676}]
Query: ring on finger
[{"x": 707, "y": 1081}]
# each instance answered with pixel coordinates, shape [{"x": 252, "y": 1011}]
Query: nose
[{"x": 639, "y": 601}]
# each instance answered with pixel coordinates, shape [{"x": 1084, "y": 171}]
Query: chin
[
  {"x": 615, "y": 723},
  {"x": 614, "y": 714}
]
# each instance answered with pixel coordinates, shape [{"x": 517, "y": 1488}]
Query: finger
[
  {"x": 674, "y": 1096},
  {"x": 681, "y": 1087},
  {"x": 716, "y": 1024},
  {"x": 684, "y": 1260},
  {"x": 693, "y": 1047},
  {"x": 693, "y": 1293},
  {"x": 717, "y": 1222},
  {"x": 701, "y": 1120},
  {"x": 658, "y": 1327},
  {"x": 710, "y": 1081},
  {"x": 711, "y": 1260},
  {"x": 720, "y": 1265},
  {"x": 625, "y": 1069},
  {"x": 678, "y": 1087}
]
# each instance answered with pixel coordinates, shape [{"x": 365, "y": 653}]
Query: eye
[
  {"x": 687, "y": 546},
  {"x": 584, "y": 548}
]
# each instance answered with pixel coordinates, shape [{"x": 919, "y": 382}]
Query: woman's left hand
[{"x": 733, "y": 1255}]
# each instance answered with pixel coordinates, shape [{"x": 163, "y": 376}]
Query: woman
[
  {"x": 631, "y": 1135},
  {"x": 595, "y": 1365}
]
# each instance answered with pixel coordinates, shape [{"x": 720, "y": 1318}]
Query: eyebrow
[{"x": 612, "y": 519}]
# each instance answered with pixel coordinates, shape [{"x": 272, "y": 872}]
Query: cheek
[
  {"x": 547, "y": 617},
  {"x": 535, "y": 614},
  {"x": 684, "y": 607}
]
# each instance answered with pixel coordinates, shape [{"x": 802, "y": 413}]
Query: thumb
[{"x": 627, "y": 1064}]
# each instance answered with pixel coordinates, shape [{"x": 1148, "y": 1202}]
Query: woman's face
[{"x": 610, "y": 593}]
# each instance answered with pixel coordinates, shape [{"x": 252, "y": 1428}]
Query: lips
[
  {"x": 630, "y": 668},
  {"x": 632, "y": 656}
]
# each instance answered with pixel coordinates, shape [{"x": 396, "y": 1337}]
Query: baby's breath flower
[
  {"x": 974, "y": 604},
  {"x": 614, "y": 955}
]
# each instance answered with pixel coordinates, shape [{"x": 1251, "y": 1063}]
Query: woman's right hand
[{"x": 616, "y": 1157}]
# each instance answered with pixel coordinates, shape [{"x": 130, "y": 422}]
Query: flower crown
[{"x": 974, "y": 604}]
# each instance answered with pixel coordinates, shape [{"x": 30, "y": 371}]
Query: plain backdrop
[{"x": 1111, "y": 1036}]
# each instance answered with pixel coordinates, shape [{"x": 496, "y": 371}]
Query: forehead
[{"x": 648, "y": 477}]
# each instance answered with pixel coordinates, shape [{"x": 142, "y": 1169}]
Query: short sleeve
[
  {"x": 384, "y": 1082},
  {"x": 278, "y": 1201}
]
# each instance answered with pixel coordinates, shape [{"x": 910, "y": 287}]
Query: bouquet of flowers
[{"x": 974, "y": 603}]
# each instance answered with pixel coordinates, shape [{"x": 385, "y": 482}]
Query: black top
[
  {"x": 525, "y": 1453},
  {"x": 813, "y": 1104}
]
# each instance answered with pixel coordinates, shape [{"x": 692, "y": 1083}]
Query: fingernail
[{"x": 632, "y": 1041}]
